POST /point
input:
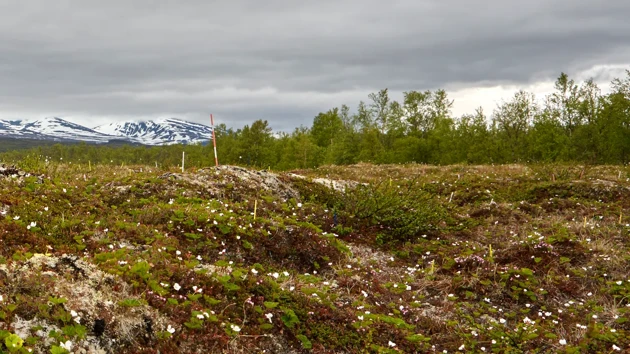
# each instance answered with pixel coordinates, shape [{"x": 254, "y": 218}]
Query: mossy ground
[{"x": 424, "y": 258}]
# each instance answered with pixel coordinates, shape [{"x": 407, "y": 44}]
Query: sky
[{"x": 95, "y": 62}]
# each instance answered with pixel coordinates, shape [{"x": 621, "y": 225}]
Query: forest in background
[{"x": 574, "y": 124}]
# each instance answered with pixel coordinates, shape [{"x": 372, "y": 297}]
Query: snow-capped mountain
[
  {"x": 158, "y": 132},
  {"x": 50, "y": 128},
  {"x": 62, "y": 130},
  {"x": 12, "y": 128}
]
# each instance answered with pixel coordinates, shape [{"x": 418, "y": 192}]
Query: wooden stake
[
  {"x": 214, "y": 141},
  {"x": 183, "y": 156},
  {"x": 255, "y": 207}
]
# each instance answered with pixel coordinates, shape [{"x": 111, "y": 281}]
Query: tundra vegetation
[{"x": 338, "y": 259}]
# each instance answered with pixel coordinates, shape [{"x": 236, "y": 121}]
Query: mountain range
[{"x": 163, "y": 131}]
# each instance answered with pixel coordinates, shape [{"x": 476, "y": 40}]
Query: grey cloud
[{"x": 284, "y": 61}]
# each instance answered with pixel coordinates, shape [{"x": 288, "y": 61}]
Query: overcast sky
[{"x": 93, "y": 62}]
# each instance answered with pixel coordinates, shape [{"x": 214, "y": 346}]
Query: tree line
[{"x": 575, "y": 123}]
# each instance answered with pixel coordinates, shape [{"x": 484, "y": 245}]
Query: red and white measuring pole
[{"x": 214, "y": 141}]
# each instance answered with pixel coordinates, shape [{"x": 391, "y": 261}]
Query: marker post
[{"x": 214, "y": 141}]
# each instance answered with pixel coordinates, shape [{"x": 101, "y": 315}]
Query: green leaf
[
  {"x": 211, "y": 301},
  {"x": 13, "y": 342},
  {"x": 415, "y": 338},
  {"x": 55, "y": 349},
  {"x": 270, "y": 304},
  {"x": 130, "y": 303},
  {"x": 527, "y": 271},
  {"x": 306, "y": 344},
  {"x": 289, "y": 318}
]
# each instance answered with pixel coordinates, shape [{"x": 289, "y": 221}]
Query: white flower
[
  {"x": 299, "y": 205},
  {"x": 391, "y": 344},
  {"x": 177, "y": 287},
  {"x": 200, "y": 316},
  {"x": 502, "y": 320},
  {"x": 199, "y": 258},
  {"x": 275, "y": 275},
  {"x": 73, "y": 313},
  {"x": 254, "y": 271},
  {"x": 269, "y": 316},
  {"x": 178, "y": 252},
  {"x": 619, "y": 282},
  {"x": 461, "y": 347},
  {"x": 563, "y": 341},
  {"x": 235, "y": 328},
  {"x": 360, "y": 318},
  {"x": 170, "y": 329},
  {"x": 67, "y": 345},
  {"x": 616, "y": 347}
]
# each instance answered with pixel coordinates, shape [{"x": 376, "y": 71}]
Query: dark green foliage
[
  {"x": 399, "y": 212},
  {"x": 575, "y": 123}
]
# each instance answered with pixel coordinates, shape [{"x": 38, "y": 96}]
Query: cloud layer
[{"x": 94, "y": 61}]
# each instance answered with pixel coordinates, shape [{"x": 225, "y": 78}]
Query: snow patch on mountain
[
  {"x": 62, "y": 129},
  {"x": 160, "y": 131},
  {"x": 157, "y": 132}
]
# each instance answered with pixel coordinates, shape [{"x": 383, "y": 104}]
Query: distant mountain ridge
[{"x": 165, "y": 131}]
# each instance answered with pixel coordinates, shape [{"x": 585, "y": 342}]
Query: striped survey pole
[{"x": 214, "y": 141}]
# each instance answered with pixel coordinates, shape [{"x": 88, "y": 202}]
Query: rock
[{"x": 338, "y": 185}]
